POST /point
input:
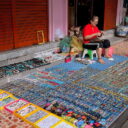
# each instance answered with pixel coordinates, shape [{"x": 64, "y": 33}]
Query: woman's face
[{"x": 95, "y": 21}]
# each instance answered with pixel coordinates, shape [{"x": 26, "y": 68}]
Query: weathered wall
[{"x": 58, "y": 18}]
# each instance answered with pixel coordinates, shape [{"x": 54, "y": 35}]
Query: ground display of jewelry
[
  {"x": 41, "y": 59},
  {"x": 22, "y": 66},
  {"x": 70, "y": 95}
]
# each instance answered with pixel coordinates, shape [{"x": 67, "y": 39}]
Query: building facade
[{"x": 20, "y": 20}]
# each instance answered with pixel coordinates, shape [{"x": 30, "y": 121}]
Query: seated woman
[{"x": 91, "y": 34}]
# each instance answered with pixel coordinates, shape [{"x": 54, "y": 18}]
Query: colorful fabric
[
  {"x": 65, "y": 44},
  {"x": 76, "y": 44},
  {"x": 126, "y": 19}
]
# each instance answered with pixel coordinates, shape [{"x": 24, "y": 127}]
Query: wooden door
[{"x": 110, "y": 14}]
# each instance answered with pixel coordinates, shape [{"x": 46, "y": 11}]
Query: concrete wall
[
  {"x": 120, "y": 12},
  {"x": 58, "y": 18}
]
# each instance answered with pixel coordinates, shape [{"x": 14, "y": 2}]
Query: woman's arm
[{"x": 88, "y": 37}]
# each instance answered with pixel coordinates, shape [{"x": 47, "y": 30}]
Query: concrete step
[
  {"x": 115, "y": 40},
  {"x": 109, "y": 33},
  {"x": 16, "y": 55},
  {"x": 27, "y": 50}
]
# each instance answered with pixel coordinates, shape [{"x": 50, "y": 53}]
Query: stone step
[
  {"x": 27, "y": 50},
  {"x": 16, "y": 55},
  {"x": 115, "y": 40},
  {"x": 109, "y": 33}
]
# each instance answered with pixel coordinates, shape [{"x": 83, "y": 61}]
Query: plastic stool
[{"x": 90, "y": 53}]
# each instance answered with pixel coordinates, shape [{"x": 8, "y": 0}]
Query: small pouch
[{"x": 68, "y": 59}]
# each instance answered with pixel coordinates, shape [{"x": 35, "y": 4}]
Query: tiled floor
[
  {"x": 125, "y": 125},
  {"x": 121, "y": 48}
]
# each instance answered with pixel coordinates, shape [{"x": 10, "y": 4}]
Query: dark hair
[{"x": 93, "y": 18}]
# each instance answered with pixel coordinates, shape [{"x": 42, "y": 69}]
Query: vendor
[{"x": 91, "y": 34}]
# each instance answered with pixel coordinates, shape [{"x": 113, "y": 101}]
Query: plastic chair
[{"x": 89, "y": 51}]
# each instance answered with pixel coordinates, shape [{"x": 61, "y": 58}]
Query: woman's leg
[
  {"x": 107, "y": 53},
  {"x": 99, "y": 53},
  {"x": 106, "y": 45},
  {"x": 98, "y": 50}
]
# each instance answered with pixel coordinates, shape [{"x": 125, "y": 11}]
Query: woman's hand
[{"x": 100, "y": 34}]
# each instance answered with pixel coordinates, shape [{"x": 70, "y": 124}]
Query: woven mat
[{"x": 108, "y": 63}]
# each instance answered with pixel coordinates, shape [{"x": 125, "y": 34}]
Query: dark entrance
[{"x": 82, "y": 10}]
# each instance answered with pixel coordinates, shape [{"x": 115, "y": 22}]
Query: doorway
[{"x": 80, "y": 12}]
